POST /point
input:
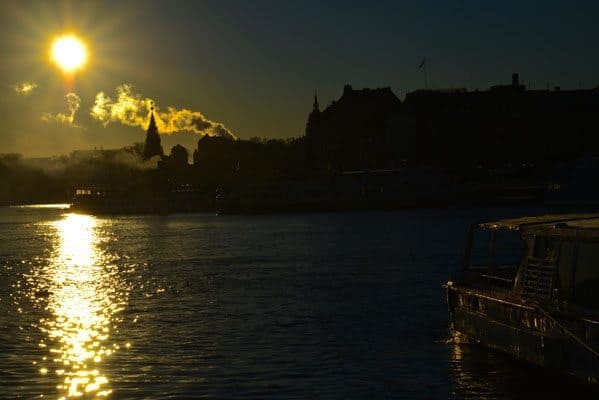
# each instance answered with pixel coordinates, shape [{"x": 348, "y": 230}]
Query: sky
[{"x": 252, "y": 67}]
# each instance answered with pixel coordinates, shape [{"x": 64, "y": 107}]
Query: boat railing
[{"x": 537, "y": 281}]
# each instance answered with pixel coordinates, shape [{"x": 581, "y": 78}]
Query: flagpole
[{"x": 423, "y": 66}]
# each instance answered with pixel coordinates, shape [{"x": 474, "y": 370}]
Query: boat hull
[{"x": 520, "y": 331}]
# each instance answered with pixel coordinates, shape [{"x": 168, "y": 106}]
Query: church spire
[
  {"x": 314, "y": 117},
  {"x": 152, "y": 125},
  {"x": 152, "y": 146}
]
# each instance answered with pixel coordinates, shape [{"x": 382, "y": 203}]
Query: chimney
[
  {"x": 347, "y": 89},
  {"x": 515, "y": 82}
]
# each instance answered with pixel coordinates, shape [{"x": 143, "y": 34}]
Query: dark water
[{"x": 315, "y": 306}]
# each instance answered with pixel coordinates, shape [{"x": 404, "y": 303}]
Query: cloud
[
  {"x": 24, "y": 88},
  {"x": 73, "y": 104},
  {"x": 132, "y": 109}
]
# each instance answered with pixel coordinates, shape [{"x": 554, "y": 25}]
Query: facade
[
  {"x": 354, "y": 132},
  {"x": 504, "y": 125}
]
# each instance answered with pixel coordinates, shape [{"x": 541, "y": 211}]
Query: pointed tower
[
  {"x": 313, "y": 118},
  {"x": 152, "y": 146}
]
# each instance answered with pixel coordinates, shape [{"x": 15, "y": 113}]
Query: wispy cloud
[
  {"x": 132, "y": 109},
  {"x": 68, "y": 118},
  {"x": 24, "y": 88}
]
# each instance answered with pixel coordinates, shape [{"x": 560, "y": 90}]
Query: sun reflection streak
[{"x": 83, "y": 299}]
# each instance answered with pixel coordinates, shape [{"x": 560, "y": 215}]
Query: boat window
[
  {"x": 585, "y": 288},
  {"x": 565, "y": 268},
  {"x": 509, "y": 249}
]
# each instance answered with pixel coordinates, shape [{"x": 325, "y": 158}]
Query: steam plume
[
  {"x": 73, "y": 104},
  {"x": 132, "y": 109},
  {"x": 24, "y": 88}
]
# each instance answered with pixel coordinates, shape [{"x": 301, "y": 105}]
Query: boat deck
[{"x": 494, "y": 285}]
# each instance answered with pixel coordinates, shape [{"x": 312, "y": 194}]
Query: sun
[{"x": 69, "y": 53}]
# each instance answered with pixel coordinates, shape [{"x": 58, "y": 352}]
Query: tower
[
  {"x": 313, "y": 118},
  {"x": 152, "y": 146}
]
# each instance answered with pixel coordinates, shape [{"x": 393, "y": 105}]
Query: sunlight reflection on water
[
  {"x": 84, "y": 298},
  {"x": 328, "y": 305},
  {"x": 57, "y": 206}
]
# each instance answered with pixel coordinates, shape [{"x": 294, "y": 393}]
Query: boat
[
  {"x": 530, "y": 289},
  {"x": 141, "y": 199}
]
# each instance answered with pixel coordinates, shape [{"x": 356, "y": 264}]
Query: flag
[{"x": 423, "y": 63}]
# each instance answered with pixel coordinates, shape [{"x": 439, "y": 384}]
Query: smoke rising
[
  {"x": 24, "y": 88},
  {"x": 132, "y": 109},
  {"x": 128, "y": 108},
  {"x": 73, "y": 104}
]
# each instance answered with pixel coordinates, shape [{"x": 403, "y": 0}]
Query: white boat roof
[{"x": 581, "y": 221}]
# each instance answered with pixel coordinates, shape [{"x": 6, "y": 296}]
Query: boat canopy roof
[{"x": 564, "y": 224}]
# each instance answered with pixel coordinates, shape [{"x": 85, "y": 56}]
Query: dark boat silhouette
[{"x": 542, "y": 308}]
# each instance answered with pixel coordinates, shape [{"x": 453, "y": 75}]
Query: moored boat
[
  {"x": 143, "y": 199},
  {"x": 540, "y": 306}
]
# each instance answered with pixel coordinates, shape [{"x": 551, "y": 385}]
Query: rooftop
[{"x": 581, "y": 224}]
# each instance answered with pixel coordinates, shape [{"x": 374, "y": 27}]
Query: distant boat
[
  {"x": 350, "y": 190},
  {"x": 544, "y": 307},
  {"x": 141, "y": 199},
  {"x": 371, "y": 189}
]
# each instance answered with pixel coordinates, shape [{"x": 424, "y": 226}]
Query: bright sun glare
[{"x": 69, "y": 53}]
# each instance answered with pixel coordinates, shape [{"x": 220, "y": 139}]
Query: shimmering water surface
[{"x": 309, "y": 306}]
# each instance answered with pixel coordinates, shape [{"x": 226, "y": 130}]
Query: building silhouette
[
  {"x": 505, "y": 125},
  {"x": 179, "y": 156},
  {"x": 354, "y": 132}
]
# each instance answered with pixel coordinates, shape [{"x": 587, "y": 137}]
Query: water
[{"x": 314, "y": 306}]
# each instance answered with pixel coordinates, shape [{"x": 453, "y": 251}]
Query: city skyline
[{"x": 225, "y": 61}]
